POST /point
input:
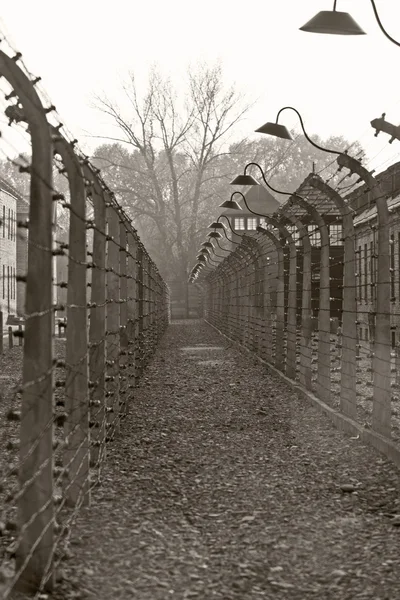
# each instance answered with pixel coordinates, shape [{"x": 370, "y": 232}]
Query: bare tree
[
  {"x": 287, "y": 164},
  {"x": 168, "y": 157}
]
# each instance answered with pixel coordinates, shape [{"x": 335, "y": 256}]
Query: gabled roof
[
  {"x": 316, "y": 198},
  {"x": 259, "y": 200},
  {"x": 371, "y": 213}
]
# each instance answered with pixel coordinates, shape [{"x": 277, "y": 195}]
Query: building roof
[
  {"x": 22, "y": 203},
  {"x": 316, "y": 198},
  {"x": 370, "y": 214},
  {"x": 259, "y": 199},
  {"x": 389, "y": 179}
]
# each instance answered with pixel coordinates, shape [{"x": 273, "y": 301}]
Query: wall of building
[
  {"x": 366, "y": 271},
  {"x": 22, "y": 253},
  {"x": 8, "y": 253}
]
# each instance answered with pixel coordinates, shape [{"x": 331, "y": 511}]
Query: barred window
[
  {"x": 392, "y": 269},
  {"x": 292, "y": 229},
  {"x": 335, "y": 235},
  {"x": 252, "y": 223},
  {"x": 238, "y": 223},
  {"x": 315, "y": 235},
  {"x": 365, "y": 273},
  {"x": 372, "y": 271}
]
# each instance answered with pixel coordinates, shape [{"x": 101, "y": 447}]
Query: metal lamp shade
[
  {"x": 243, "y": 180},
  {"x": 231, "y": 204},
  {"x": 333, "y": 22},
  {"x": 276, "y": 130},
  {"x": 216, "y": 225},
  {"x": 201, "y": 258},
  {"x": 214, "y": 234},
  {"x": 208, "y": 245}
]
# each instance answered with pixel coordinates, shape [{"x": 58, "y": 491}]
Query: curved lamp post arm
[
  {"x": 329, "y": 151},
  {"x": 231, "y": 254},
  {"x": 245, "y": 202},
  {"x": 250, "y": 164},
  {"x": 218, "y": 255},
  {"x": 222, "y": 248},
  {"x": 210, "y": 260},
  {"x": 381, "y": 26},
  {"x": 229, "y": 239},
  {"x": 230, "y": 227}
]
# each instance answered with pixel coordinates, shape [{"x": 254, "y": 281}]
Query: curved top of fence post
[
  {"x": 302, "y": 229},
  {"x": 275, "y": 240},
  {"x": 92, "y": 175},
  {"x": 70, "y": 159},
  {"x": 277, "y": 222},
  {"x": 373, "y": 184},
  {"x": 279, "y": 244},
  {"x": 313, "y": 212},
  {"x": 339, "y": 202},
  {"x": 355, "y": 166},
  {"x": 34, "y": 555},
  {"x": 33, "y": 111}
]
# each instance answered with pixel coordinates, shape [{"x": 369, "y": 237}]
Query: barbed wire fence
[
  {"x": 326, "y": 314},
  {"x": 75, "y": 390}
]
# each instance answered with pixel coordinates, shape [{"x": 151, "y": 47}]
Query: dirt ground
[{"x": 224, "y": 484}]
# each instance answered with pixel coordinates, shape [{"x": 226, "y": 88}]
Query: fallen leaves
[{"x": 224, "y": 485}]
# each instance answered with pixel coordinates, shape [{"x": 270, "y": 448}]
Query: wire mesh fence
[{"x": 95, "y": 308}]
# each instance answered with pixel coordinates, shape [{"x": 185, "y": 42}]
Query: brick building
[
  {"x": 22, "y": 251},
  {"x": 8, "y": 249},
  {"x": 365, "y": 223},
  {"x": 260, "y": 200}
]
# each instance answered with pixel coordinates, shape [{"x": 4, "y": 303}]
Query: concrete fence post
[{"x": 34, "y": 555}]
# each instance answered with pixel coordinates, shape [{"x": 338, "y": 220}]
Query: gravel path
[{"x": 224, "y": 484}]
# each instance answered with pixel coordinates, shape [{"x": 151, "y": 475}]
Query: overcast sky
[{"x": 339, "y": 83}]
